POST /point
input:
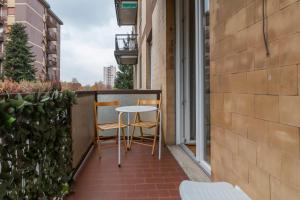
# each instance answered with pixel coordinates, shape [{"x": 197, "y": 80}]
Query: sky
[{"x": 87, "y": 38}]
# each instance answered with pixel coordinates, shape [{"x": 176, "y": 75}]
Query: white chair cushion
[{"x": 190, "y": 190}]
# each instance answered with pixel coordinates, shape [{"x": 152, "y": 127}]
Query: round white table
[{"x": 135, "y": 109}]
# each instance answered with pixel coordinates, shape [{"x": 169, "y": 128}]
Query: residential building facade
[
  {"x": 43, "y": 29},
  {"x": 229, "y": 75},
  {"x": 109, "y": 76}
]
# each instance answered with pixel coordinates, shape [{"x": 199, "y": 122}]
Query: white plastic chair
[{"x": 190, "y": 190}]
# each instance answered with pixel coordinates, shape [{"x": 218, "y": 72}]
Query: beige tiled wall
[{"x": 256, "y": 99}]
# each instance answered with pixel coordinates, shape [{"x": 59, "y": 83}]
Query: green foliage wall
[{"x": 35, "y": 145}]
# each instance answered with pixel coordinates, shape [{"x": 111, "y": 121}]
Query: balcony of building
[
  {"x": 126, "y": 11},
  {"x": 52, "y": 34},
  {"x": 1, "y": 35},
  {"x": 51, "y": 22},
  {"x": 3, "y": 18},
  {"x": 142, "y": 176},
  {"x": 52, "y": 47},
  {"x": 126, "y": 49},
  {"x": 52, "y": 60}
]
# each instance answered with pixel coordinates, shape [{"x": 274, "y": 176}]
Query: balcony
[
  {"x": 126, "y": 11},
  {"x": 126, "y": 49},
  {"x": 52, "y": 34},
  {"x": 52, "y": 60},
  {"x": 1, "y": 36},
  {"x": 141, "y": 176},
  {"x": 3, "y": 18},
  {"x": 51, "y": 22},
  {"x": 52, "y": 47}
]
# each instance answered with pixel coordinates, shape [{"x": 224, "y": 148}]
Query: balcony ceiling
[
  {"x": 126, "y": 11},
  {"x": 126, "y": 58}
]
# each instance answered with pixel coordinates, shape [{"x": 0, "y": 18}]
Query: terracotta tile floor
[{"x": 140, "y": 177}]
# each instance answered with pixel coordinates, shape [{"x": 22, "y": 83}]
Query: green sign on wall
[{"x": 129, "y": 5}]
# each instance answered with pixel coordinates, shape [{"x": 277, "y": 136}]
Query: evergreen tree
[
  {"x": 124, "y": 79},
  {"x": 18, "y": 59}
]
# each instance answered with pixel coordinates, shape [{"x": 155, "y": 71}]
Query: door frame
[
  {"x": 179, "y": 73},
  {"x": 200, "y": 88}
]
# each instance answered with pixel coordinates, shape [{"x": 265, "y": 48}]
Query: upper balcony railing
[
  {"x": 126, "y": 11},
  {"x": 126, "y": 49}
]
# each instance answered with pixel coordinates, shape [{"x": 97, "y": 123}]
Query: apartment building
[
  {"x": 109, "y": 76},
  {"x": 43, "y": 29},
  {"x": 229, "y": 75}
]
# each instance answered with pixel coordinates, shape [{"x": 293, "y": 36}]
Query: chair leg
[
  {"x": 131, "y": 137},
  {"x": 98, "y": 146},
  {"x": 142, "y": 134},
  {"x": 124, "y": 138},
  {"x": 154, "y": 141},
  {"x": 99, "y": 149}
]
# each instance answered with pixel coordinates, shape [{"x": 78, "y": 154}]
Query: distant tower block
[{"x": 109, "y": 74}]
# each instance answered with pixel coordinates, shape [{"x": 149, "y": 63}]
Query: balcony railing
[
  {"x": 126, "y": 49},
  {"x": 126, "y": 11},
  {"x": 83, "y": 128}
]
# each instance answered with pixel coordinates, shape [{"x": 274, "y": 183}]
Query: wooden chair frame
[
  {"x": 106, "y": 126},
  {"x": 148, "y": 125}
]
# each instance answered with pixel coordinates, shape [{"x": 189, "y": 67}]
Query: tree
[
  {"x": 18, "y": 59},
  {"x": 124, "y": 79}
]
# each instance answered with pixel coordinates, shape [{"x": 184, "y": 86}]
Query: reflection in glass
[{"x": 207, "y": 138}]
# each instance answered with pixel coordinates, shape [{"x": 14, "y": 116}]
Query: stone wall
[{"x": 255, "y": 102}]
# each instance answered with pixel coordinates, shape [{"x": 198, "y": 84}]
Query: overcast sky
[{"x": 87, "y": 38}]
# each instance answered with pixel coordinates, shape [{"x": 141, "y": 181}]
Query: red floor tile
[{"x": 141, "y": 176}]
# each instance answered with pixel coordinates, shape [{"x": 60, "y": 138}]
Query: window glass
[{"x": 206, "y": 64}]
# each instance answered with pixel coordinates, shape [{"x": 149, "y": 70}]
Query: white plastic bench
[{"x": 190, "y": 190}]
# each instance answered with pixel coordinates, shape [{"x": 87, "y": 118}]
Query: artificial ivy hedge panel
[{"x": 35, "y": 145}]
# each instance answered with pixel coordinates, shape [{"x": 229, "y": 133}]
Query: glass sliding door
[
  {"x": 193, "y": 79},
  {"x": 190, "y": 66}
]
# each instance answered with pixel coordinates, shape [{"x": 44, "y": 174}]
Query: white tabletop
[{"x": 134, "y": 109}]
